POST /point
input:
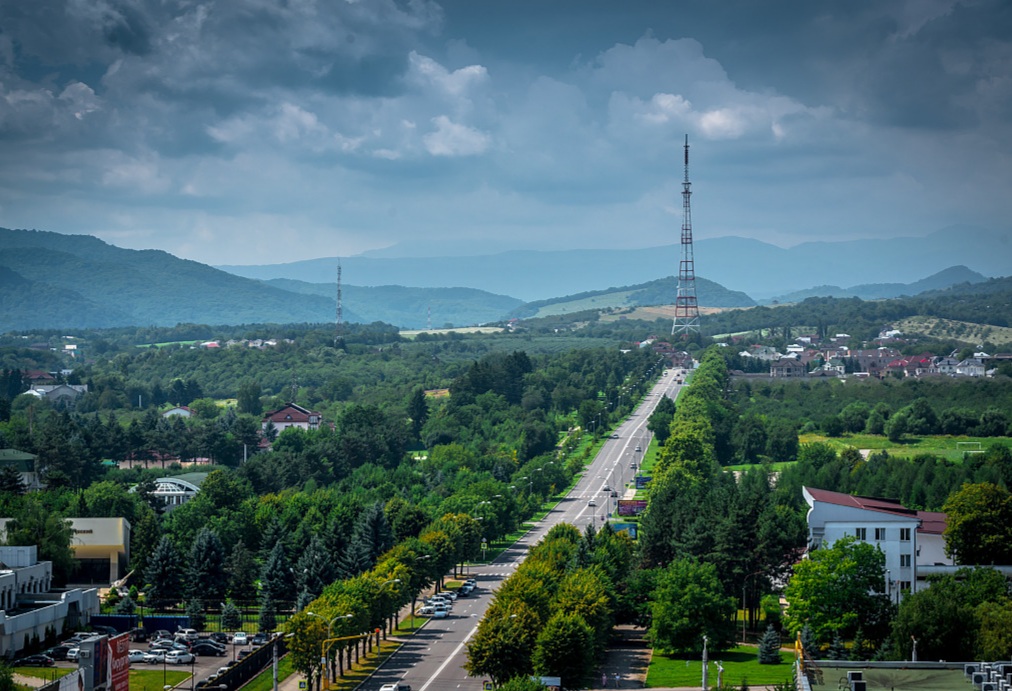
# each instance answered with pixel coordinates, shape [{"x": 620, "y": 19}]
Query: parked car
[
  {"x": 452, "y": 594},
  {"x": 240, "y": 638},
  {"x": 471, "y": 582},
  {"x": 243, "y": 654},
  {"x": 168, "y": 644},
  {"x": 73, "y": 655},
  {"x": 220, "y": 637},
  {"x": 154, "y": 656},
  {"x": 58, "y": 652},
  {"x": 207, "y": 648},
  {"x": 426, "y": 611},
  {"x": 105, "y": 630},
  {"x": 35, "y": 661},
  {"x": 464, "y": 591},
  {"x": 179, "y": 657},
  {"x": 259, "y": 638},
  {"x": 187, "y": 635},
  {"x": 440, "y": 613},
  {"x": 136, "y": 656},
  {"x": 162, "y": 633},
  {"x": 139, "y": 635}
]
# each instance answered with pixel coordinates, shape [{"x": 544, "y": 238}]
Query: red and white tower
[{"x": 686, "y": 309}]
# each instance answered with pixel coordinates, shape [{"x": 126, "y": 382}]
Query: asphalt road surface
[{"x": 433, "y": 658}]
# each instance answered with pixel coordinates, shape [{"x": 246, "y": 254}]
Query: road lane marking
[{"x": 448, "y": 659}]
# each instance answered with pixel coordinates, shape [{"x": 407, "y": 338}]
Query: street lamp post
[{"x": 324, "y": 672}]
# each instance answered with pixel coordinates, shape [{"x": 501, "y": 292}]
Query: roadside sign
[
  {"x": 302, "y": 685},
  {"x": 486, "y": 685}
]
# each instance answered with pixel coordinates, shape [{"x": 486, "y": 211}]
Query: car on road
[
  {"x": 452, "y": 594},
  {"x": 395, "y": 687},
  {"x": 638, "y": 448},
  {"x": 426, "y": 611},
  {"x": 606, "y": 488},
  {"x": 240, "y": 638},
  {"x": 179, "y": 657},
  {"x": 136, "y": 656},
  {"x": 614, "y": 435},
  {"x": 35, "y": 661},
  {"x": 440, "y": 613},
  {"x": 591, "y": 503}
]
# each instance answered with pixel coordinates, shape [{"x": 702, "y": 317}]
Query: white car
[
  {"x": 154, "y": 656},
  {"x": 441, "y": 613},
  {"x": 136, "y": 656},
  {"x": 179, "y": 657},
  {"x": 452, "y": 594},
  {"x": 73, "y": 654},
  {"x": 591, "y": 503},
  {"x": 240, "y": 638},
  {"x": 426, "y": 611}
]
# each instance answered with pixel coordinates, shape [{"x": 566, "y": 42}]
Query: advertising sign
[
  {"x": 119, "y": 665},
  {"x": 642, "y": 481},
  {"x": 629, "y": 528},
  {"x": 631, "y": 507}
]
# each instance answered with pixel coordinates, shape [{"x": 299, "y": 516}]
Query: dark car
[
  {"x": 58, "y": 652},
  {"x": 220, "y": 637},
  {"x": 260, "y": 638},
  {"x": 243, "y": 654},
  {"x": 207, "y": 648},
  {"x": 107, "y": 630},
  {"x": 139, "y": 635},
  {"x": 35, "y": 661}
]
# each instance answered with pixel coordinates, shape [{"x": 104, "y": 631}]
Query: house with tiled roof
[
  {"x": 292, "y": 415},
  {"x": 911, "y": 540},
  {"x": 787, "y": 367}
]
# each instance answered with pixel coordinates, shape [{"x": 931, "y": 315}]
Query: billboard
[
  {"x": 119, "y": 665},
  {"x": 629, "y": 528},
  {"x": 631, "y": 507}
]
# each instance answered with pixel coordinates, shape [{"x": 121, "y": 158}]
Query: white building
[
  {"x": 909, "y": 539},
  {"x": 27, "y": 606}
]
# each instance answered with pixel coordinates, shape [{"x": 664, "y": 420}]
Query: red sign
[
  {"x": 119, "y": 664},
  {"x": 631, "y": 507}
]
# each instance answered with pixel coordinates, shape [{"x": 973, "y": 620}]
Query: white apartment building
[{"x": 909, "y": 539}]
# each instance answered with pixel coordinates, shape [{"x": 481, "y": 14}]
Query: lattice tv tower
[
  {"x": 686, "y": 308},
  {"x": 339, "y": 324}
]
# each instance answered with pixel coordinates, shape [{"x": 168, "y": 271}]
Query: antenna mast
[
  {"x": 686, "y": 308},
  {"x": 339, "y": 328}
]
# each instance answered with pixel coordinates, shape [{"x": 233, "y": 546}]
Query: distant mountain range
[
  {"x": 954, "y": 275},
  {"x": 760, "y": 269},
  {"x": 54, "y": 281}
]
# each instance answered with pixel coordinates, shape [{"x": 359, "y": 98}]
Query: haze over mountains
[
  {"x": 54, "y": 281},
  {"x": 759, "y": 269}
]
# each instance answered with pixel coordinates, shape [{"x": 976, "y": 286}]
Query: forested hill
[
  {"x": 947, "y": 278},
  {"x": 659, "y": 292},
  {"x": 54, "y": 281},
  {"x": 988, "y": 304},
  {"x": 410, "y": 307},
  {"x": 78, "y": 281}
]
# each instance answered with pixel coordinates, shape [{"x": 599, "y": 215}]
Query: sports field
[{"x": 900, "y": 679}]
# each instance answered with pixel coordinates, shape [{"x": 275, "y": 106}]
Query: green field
[
  {"x": 740, "y": 664},
  {"x": 598, "y": 302},
  {"x": 140, "y": 679},
  {"x": 945, "y": 446}
]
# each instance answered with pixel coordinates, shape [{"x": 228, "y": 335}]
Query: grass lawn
[
  {"x": 265, "y": 680},
  {"x": 775, "y": 467},
  {"x": 946, "y": 446},
  {"x": 740, "y": 664},
  {"x": 152, "y": 679}
]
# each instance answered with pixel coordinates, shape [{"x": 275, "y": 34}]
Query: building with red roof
[
  {"x": 909, "y": 539},
  {"x": 292, "y": 415}
]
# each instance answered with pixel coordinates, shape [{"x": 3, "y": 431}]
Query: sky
[{"x": 268, "y": 131}]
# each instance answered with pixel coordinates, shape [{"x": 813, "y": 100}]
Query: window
[
  {"x": 904, "y": 561},
  {"x": 861, "y": 533},
  {"x": 904, "y": 586},
  {"x": 880, "y": 534},
  {"x": 905, "y": 534}
]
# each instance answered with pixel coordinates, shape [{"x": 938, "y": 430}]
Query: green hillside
[{"x": 659, "y": 292}]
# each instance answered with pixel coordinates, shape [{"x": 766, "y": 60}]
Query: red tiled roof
[
  {"x": 290, "y": 413},
  {"x": 932, "y": 522}
]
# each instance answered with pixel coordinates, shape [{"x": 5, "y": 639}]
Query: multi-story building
[{"x": 909, "y": 539}]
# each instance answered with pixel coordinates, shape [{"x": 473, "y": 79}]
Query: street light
[{"x": 323, "y": 645}]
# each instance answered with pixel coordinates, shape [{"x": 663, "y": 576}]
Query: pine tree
[
  {"x": 373, "y": 531},
  {"x": 857, "y": 649},
  {"x": 808, "y": 641},
  {"x": 207, "y": 567},
  {"x": 418, "y": 411},
  {"x": 231, "y": 617},
  {"x": 267, "y": 619},
  {"x": 242, "y": 572},
  {"x": 163, "y": 576},
  {"x": 276, "y": 577},
  {"x": 10, "y": 481},
  {"x": 273, "y": 533},
  {"x": 144, "y": 539},
  {"x": 195, "y": 612},
  {"x": 125, "y": 606},
  {"x": 837, "y": 649},
  {"x": 769, "y": 647},
  {"x": 314, "y": 571}
]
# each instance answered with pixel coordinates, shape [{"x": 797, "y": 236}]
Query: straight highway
[{"x": 433, "y": 658}]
